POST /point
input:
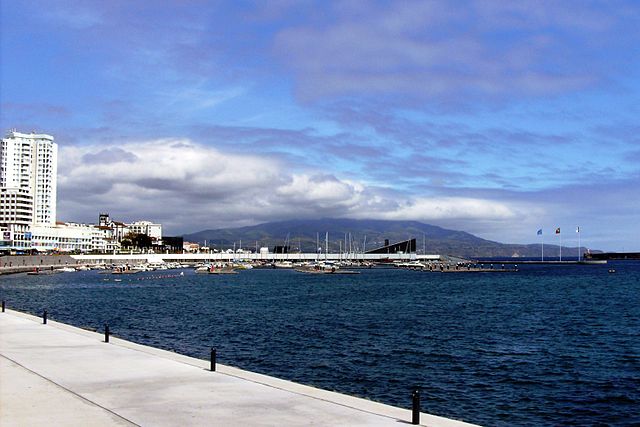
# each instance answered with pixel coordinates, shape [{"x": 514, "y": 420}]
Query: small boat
[
  {"x": 203, "y": 269},
  {"x": 283, "y": 264},
  {"x": 326, "y": 267},
  {"x": 222, "y": 270},
  {"x": 612, "y": 270}
]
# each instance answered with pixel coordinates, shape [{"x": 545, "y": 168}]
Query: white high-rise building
[{"x": 28, "y": 176}]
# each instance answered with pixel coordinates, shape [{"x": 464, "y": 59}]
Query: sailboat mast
[{"x": 326, "y": 245}]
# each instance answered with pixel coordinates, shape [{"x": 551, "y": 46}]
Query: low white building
[
  {"x": 147, "y": 227},
  {"x": 190, "y": 247},
  {"x": 70, "y": 237}
]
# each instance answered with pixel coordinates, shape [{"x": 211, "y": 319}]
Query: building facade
[
  {"x": 28, "y": 169},
  {"x": 147, "y": 227},
  {"x": 28, "y": 182}
]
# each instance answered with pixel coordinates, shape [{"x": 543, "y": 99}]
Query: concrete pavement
[{"x": 56, "y": 374}]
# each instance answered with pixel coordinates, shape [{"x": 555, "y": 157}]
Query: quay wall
[{"x": 11, "y": 264}]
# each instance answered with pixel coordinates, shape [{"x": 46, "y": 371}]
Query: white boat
[
  {"x": 319, "y": 267},
  {"x": 283, "y": 264},
  {"x": 414, "y": 265},
  {"x": 243, "y": 266},
  {"x": 203, "y": 269}
]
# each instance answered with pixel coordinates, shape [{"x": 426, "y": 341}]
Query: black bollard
[
  {"x": 3, "y": 305},
  {"x": 415, "y": 407},
  {"x": 44, "y": 317},
  {"x": 213, "y": 359},
  {"x": 106, "y": 333}
]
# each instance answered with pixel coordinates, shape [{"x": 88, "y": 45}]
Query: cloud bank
[{"x": 190, "y": 186}]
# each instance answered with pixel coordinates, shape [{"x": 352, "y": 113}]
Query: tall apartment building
[
  {"x": 28, "y": 170},
  {"x": 28, "y": 167}
]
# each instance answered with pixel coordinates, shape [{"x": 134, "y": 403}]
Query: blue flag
[{"x": 540, "y": 232}]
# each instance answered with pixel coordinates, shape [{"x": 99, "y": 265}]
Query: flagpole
[
  {"x": 579, "y": 251},
  {"x": 542, "y": 248},
  {"x": 560, "y": 245}
]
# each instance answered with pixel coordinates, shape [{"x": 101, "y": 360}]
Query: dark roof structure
[{"x": 407, "y": 246}]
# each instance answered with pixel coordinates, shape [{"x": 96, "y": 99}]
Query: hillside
[{"x": 302, "y": 234}]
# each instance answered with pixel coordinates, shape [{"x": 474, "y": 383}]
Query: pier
[{"x": 58, "y": 375}]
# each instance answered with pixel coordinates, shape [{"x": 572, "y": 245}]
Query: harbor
[
  {"x": 480, "y": 347},
  {"x": 59, "y": 375},
  {"x": 231, "y": 264}
]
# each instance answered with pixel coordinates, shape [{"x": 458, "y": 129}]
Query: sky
[{"x": 497, "y": 118}]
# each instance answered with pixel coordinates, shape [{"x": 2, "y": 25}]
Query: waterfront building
[
  {"x": 118, "y": 229},
  {"x": 64, "y": 237},
  {"x": 28, "y": 187},
  {"x": 190, "y": 247},
  {"x": 16, "y": 216},
  {"x": 406, "y": 247},
  {"x": 147, "y": 227},
  {"x": 28, "y": 162},
  {"x": 121, "y": 230}
]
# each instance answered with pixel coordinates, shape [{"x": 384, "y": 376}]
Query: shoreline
[{"x": 114, "y": 375}]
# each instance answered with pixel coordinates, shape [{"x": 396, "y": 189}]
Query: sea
[{"x": 547, "y": 345}]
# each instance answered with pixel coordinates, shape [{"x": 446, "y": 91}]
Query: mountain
[{"x": 303, "y": 234}]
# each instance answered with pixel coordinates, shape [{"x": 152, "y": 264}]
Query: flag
[
  {"x": 540, "y": 232},
  {"x": 558, "y": 230},
  {"x": 577, "y": 229}
]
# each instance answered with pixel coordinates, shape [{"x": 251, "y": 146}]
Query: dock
[{"x": 58, "y": 375}]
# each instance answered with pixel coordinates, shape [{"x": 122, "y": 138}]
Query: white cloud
[
  {"x": 188, "y": 187},
  {"x": 439, "y": 208}
]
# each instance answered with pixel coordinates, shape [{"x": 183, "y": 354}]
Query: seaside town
[
  {"x": 342, "y": 213},
  {"x": 28, "y": 222}
]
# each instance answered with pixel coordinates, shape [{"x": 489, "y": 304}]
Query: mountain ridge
[{"x": 304, "y": 235}]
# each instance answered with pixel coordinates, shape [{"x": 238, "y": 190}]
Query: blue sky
[{"x": 497, "y": 118}]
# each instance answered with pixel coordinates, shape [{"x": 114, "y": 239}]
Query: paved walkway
[{"x": 58, "y": 375}]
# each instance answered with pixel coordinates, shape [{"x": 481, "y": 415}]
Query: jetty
[{"x": 59, "y": 375}]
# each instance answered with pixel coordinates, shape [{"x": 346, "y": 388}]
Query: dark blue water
[{"x": 549, "y": 345}]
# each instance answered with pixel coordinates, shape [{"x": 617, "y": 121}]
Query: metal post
[
  {"x": 3, "y": 305},
  {"x": 213, "y": 359},
  {"x": 44, "y": 317},
  {"x": 415, "y": 407},
  {"x": 106, "y": 333}
]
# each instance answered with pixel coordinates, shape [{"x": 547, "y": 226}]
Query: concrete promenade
[{"x": 59, "y": 375}]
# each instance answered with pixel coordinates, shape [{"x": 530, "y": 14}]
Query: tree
[{"x": 136, "y": 240}]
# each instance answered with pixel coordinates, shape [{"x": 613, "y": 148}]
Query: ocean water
[{"x": 549, "y": 345}]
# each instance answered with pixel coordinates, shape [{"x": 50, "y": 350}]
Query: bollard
[
  {"x": 213, "y": 359},
  {"x": 106, "y": 333},
  {"x": 415, "y": 407},
  {"x": 3, "y": 305},
  {"x": 44, "y": 317}
]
